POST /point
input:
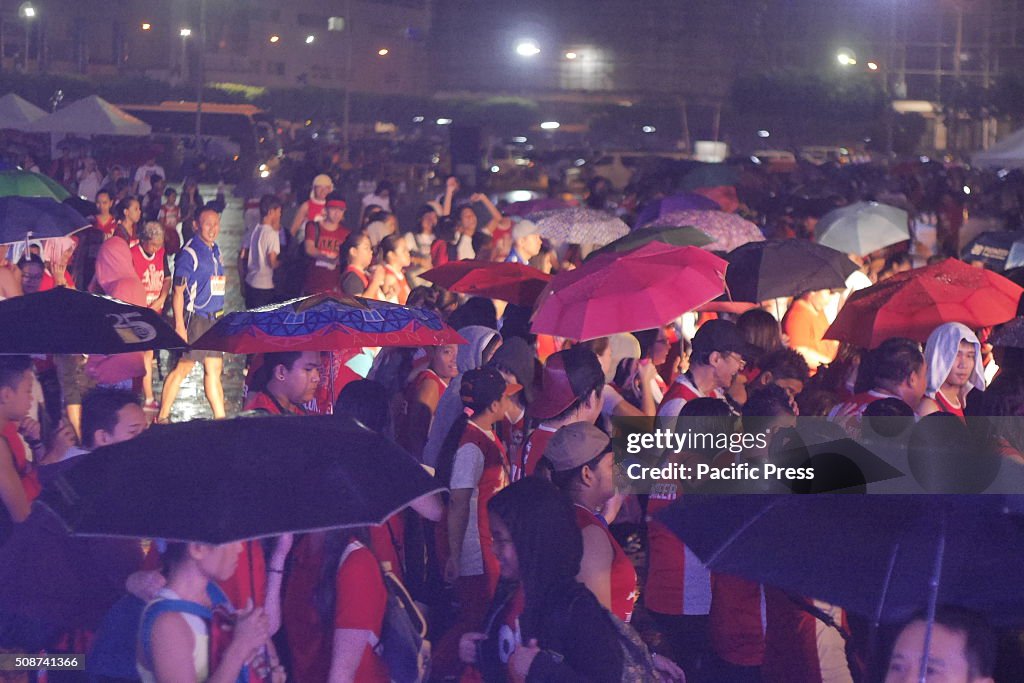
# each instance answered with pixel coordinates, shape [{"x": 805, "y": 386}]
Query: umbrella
[
  {"x": 64, "y": 320},
  {"x": 18, "y": 183},
  {"x": 728, "y": 230},
  {"x": 581, "y": 226},
  {"x": 1010, "y": 335},
  {"x": 325, "y": 322},
  {"x": 710, "y": 175},
  {"x": 874, "y": 555},
  {"x": 17, "y": 112},
  {"x": 90, "y": 116},
  {"x": 82, "y": 206},
  {"x": 996, "y": 249},
  {"x": 229, "y": 480},
  {"x": 680, "y": 237},
  {"x": 862, "y": 228},
  {"x": 913, "y": 303},
  {"x": 773, "y": 269},
  {"x": 685, "y": 201},
  {"x": 513, "y": 282},
  {"x": 535, "y": 205},
  {"x": 38, "y": 217},
  {"x": 635, "y": 290}
]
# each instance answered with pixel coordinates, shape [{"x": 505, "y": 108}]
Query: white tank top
[{"x": 200, "y": 650}]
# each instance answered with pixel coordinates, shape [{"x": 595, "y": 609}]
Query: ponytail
[{"x": 446, "y": 455}]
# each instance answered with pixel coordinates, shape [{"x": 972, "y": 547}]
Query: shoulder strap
[{"x": 154, "y": 610}]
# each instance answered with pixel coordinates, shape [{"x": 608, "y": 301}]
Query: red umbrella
[
  {"x": 913, "y": 303},
  {"x": 630, "y": 291},
  {"x": 512, "y": 282},
  {"x": 325, "y": 322}
]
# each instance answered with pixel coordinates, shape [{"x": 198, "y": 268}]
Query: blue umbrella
[
  {"x": 996, "y": 249},
  {"x": 685, "y": 201},
  {"x": 37, "y": 217}
]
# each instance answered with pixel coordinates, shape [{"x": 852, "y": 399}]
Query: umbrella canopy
[
  {"x": 913, "y": 303},
  {"x": 996, "y": 249},
  {"x": 513, "y": 282},
  {"x": 38, "y": 217},
  {"x": 862, "y": 228},
  {"x": 726, "y": 229},
  {"x": 685, "y": 201},
  {"x": 580, "y": 226},
  {"x": 16, "y": 112},
  {"x": 1010, "y": 335},
  {"x": 64, "y": 320},
  {"x": 535, "y": 205},
  {"x": 18, "y": 183},
  {"x": 248, "y": 477},
  {"x": 679, "y": 237},
  {"x": 759, "y": 271},
  {"x": 92, "y": 115},
  {"x": 874, "y": 555},
  {"x": 324, "y": 322},
  {"x": 636, "y": 290}
]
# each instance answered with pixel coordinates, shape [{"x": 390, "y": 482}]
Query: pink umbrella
[
  {"x": 727, "y": 229},
  {"x": 629, "y": 291}
]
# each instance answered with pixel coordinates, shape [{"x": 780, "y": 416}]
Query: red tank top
[
  {"x": 947, "y": 407},
  {"x": 150, "y": 270},
  {"x": 314, "y": 209},
  {"x": 623, "y": 576},
  {"x": 493, "y": 479},
  {"x": 532, "y": 452},
  {"x": 363, "y": 277},
  {"x": 429, "y": 375}
]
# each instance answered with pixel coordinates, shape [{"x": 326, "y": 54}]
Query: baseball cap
[
  {"x": 323, "y": 179},
  {"x": 574, "y": 445},
  {"x": 524, "y": 228},
  {"x": 567, "y": 374},
  {"x": 484, "y": 386},
  {"x": 722, "y": 336}
]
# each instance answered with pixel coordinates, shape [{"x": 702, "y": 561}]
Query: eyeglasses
[{"x": 738, "y": 358}]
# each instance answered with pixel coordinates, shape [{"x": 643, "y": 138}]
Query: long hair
[
  {"x": 549, "y": 545},
  {"x": 325, "y": 595}
]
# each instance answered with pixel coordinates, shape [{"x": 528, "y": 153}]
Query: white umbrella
[
  {"x": 90, "y": 116},
  {"x": 16, "y": 113}
]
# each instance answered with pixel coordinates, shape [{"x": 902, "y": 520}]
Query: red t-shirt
[
  {"x": 623, "y": 576},
  {"x": 532, "y": 452},
  {"x": 150, "y": 270},
  {"x": 360, "y": 604}
]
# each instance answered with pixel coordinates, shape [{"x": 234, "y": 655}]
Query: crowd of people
[{"x": 528, "y": 568}]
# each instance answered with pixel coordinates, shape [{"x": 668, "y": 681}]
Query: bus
[{"x": 238, "y": 140}]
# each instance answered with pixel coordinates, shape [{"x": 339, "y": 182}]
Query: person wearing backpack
[
  {"x": 544, "y": 625},
  {"x": 178, "y": 642}
]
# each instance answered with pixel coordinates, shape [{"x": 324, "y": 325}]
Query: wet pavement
[{"x": 191, "y": 402}]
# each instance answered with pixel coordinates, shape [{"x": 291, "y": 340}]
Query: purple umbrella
[
  {"x": 684, "y": 201},
  {"x": 727, "y": 229},
  {"x": 535, "y": 205}
]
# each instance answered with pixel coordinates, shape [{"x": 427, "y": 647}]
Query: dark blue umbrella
[
  {"x": 685, "y": 201},
  {"x": 37, "y": 217},
  {"x": 997, "y": 249}
]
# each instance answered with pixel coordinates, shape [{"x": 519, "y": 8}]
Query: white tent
[
  {"x": 16, "y": 113},
  {"x": 90, "y": 116},
  {"x": 1007, "y": 153}
]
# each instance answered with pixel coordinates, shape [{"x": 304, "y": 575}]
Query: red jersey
[
  {"x": 360, "y": 602},
  {"x": 947, "y": 407},
  {"x": 682, "y": 391},
  {"x": 429, "y": 375},
  {"x": 623, "y": 577},
  {"x": 324, "y": 273},
  {"x": 799, "y": 648},
  {"x": 513, "y": 435},
  {"x": 677, "y": 581},
  {"x": 106, "y": 227},
  {"x": 387, "y": 541},
  {"x": 493, "y": 478},
  {"x": 29, "y": 480},
  {"x": 150, "y": 270},
  {"x": 532, "y": 452},
  {"x": 308, "y": 641},
  {"x": 737, "y": 621},
  {"x": 314, "y": 209}
]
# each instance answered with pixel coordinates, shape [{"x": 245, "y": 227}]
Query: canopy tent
[
  {"x": 1007, "y": 153},
  {"x": 16, "y": 113},
  {"x": 90, "y": 116}
]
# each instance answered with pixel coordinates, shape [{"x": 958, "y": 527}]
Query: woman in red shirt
[{"x": 355, "y": 280}]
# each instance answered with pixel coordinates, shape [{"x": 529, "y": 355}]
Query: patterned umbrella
[
  {"x": 726, "y": 229},
  {"x": 538, "y": 205},
  {"x": 325, "y": 322},
  {"x": 580, "y": 226},
  {"x": 862, "y": 228}
]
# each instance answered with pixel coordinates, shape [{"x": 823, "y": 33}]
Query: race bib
[
  {"x": 326, "y": 263},
  {"x": 218, "y": 285}
]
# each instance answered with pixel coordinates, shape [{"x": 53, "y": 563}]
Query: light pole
[
  {"x": 27, "y": 12},
  {"x": 201, "y": 69},
  {"x": 184, "y": 33}
]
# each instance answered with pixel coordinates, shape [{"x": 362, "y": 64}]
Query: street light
[
  {"x": 146, "y": 26},
  {"x": 527, "y": 48},
  {"x": 383, "y": 52},
  {"x": 571, "y": 55},
  {"x": 275, "y": 39},
  {"x": 872, "y": 66},
  {"x": 309, "y": 39},
  {"x": 27, "y": 12},
  {"x": 550, "y": 125},
  {"x": 846, "y": 57},
  {"x": 185, "y": 32}
]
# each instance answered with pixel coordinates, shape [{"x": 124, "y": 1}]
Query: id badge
[{"x": 218, "y": 285}]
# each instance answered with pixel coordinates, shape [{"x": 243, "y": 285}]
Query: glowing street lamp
[
  {"x": 846, "y": 57},
  {"x": 550, "y": 125},
  {"x": 310, "y": 39},
  {"x": 275, "y": 39},
  {"x": 872, "y": 66},
  {"x": 571, "y": 55},
  {"x": 146, "y": 26},
  {"x": 527, "y": 48},
  {"x": 383, "y": 52},
  {"x": 185, "y": 32}
]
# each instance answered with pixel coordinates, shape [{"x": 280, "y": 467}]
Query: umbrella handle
[{"x": 933, "y": 596}]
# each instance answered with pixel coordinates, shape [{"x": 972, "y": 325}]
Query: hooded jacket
[{"x": 940, "y": 356}]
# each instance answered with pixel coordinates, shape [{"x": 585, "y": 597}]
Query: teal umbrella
[
  {"x": 18, "y": 183},
  {"x": 862, "y": 228},
  {"x": 685, "y": 236}
]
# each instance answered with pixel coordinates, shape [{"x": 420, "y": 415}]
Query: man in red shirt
[
  {"x": 570, "y": 391},
  {"x": 17, "y": 484},
  {"x": 286, "y": 381},
  {"x": 719, "y": 353},
  {"x": 895, "y": 369}
]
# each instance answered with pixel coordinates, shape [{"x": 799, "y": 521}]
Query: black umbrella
[
  {"x": 759, "y": 271},
  {"x": 876, "y": 555},
  {"x": 64, "y": 320},
  {"x": 82, "y": 206},
  {"x": 1009, "y": 335},
  {"x": 229, "y": 480}
]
